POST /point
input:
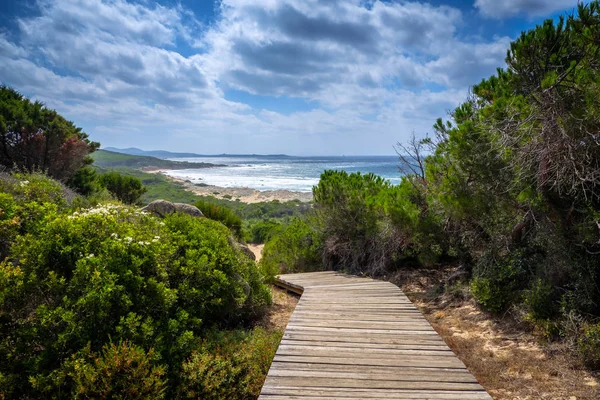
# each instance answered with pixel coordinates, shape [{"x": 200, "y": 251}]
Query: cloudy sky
[{"x": 304, "y": 77}]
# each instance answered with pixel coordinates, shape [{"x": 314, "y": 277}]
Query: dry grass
[
  {"x": 505, "y": 356},
  {"x": 279, "y": 313},
  {"x": 284, "y": 302}
]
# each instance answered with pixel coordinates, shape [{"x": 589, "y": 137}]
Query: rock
[
  {"x": 188, "y": 209},
  {"x": 162, "y": 208},
  {"x": 246, "y": 251}
]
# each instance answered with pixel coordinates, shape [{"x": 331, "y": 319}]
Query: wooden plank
[
  {"x": 306, "y": 393},
  {"x": 355, "y": 338},
  {"x": 369, "y": 383},
  {"x": 375, "y": 362}
]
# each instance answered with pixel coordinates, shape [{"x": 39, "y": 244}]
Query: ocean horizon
[{"x": 282, "y": 172}]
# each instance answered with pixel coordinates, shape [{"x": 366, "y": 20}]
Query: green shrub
[
  {"x": 222, "y": 214},
  {"x": 540, "y": 301},
  {"x": 126, "y": 188},
  {"x": 263, "y": 231},
  {"x": 115, "y": 273},
  {"x": 489, "y": 294},
  {"x": 121, "y": 371},
  {"x": 84, "y": 181},
  {"x": 230, "y": 365},
  {"x": 9, "y": 223},
  {"x": 35, "y": 187},
  {"x": 359, "y": 233},
  {"x": 589, "y": 346},
  {"x": 27, "y": 200},
  {"x": 499, "y": 281},
  {"x": 297, "y": 248}
]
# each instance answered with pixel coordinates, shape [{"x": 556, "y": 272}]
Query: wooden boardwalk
[{"x": 357, "y": 338}]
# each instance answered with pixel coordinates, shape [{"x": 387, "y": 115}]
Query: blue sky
[{"x": 302, "y": 77}]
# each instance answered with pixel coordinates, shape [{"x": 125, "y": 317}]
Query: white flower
[
  {"x": 24, "y": 183},
  {"x": 90, "y": 255}
]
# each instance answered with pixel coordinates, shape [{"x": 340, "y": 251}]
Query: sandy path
[{"x": 257, "y": 250}]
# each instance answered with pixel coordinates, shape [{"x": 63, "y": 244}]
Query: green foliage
[
  {"x": 125, "y": 188},
  {"x": 261, "y": 231},
  {"x": 230, "y": 366},
  {"x": 34, "y": 138},
  {"x": 222, "y": 214},
  {"x": 264, "y": 210},
  {"x": 540, "y": 301},
  {"x": 493, "y": 296},
  {"x": 119, "y": 371},
  {"x": 113, "y": 273},
  {"x": 297, "y": 248},
  {"x": 26, "y": 201},
  {"x": 589, "y": 346},
  {"x": 516, "y": 173},
  {"x": 84, "y": 181},
  {"x": 365, "y": 221}
]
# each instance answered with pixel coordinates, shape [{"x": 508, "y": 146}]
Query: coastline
[{"x": 244, "y": 194}]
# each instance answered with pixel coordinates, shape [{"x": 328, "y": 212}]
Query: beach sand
[{"x": 245, "y": 195}]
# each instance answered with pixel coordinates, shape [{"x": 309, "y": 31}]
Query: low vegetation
[
  {"x": 508, "y": 188},
  {"x": 111, "y": 302}
]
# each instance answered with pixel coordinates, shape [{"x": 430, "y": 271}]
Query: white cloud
[
  {"x": 304, "y": 48},
  {"x": 530, "y": 8},
  {"x": 370, "y": 70}
]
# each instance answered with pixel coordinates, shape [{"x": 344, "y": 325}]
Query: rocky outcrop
[
  {"x": 241, "y": 247},
  {"x": 246, "y": 250},
  {"x": 162, "y": 208}
]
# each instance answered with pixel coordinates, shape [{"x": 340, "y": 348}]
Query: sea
[{"x": 281, "y": 172}]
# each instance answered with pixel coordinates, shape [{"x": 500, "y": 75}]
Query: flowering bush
[{"x": 114, "y": 273}]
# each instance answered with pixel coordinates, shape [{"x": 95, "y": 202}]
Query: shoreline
[{"x": 244, "y": 194}]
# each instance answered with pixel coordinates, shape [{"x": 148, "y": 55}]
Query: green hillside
[{"x": 109, "y": 159}]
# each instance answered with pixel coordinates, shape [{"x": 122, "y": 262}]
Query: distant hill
[
  {"x": 152, "y": 153},
  {"x": 163, "y": 154},
  {"x": 108, "y": 159}
]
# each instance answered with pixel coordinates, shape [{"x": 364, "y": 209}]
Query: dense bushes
[
  {"x": 260, "y": 231},
  {"x": 230, "y": 365},
  {"x": 297, "y": 248},
  {"x": 359, "y": 224},
  {"x": 222, "y": 214},
  {"x": 517, "y": 173},
  {"x": 26, "y": 201},
  {"x": 80, "y": 288},
  {"x": 119, "y": 371},
  {"x": 127, "y": 189},
  {"x": 352, "y": 216}
]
